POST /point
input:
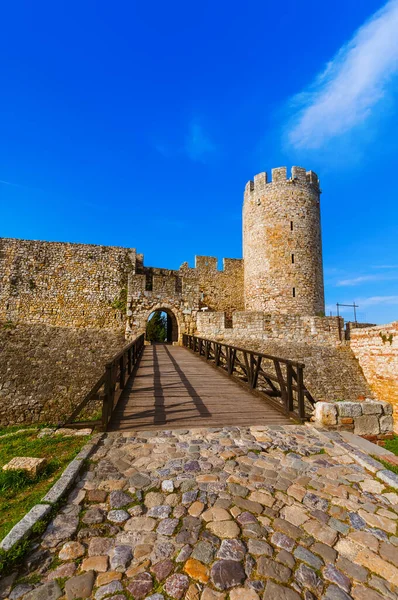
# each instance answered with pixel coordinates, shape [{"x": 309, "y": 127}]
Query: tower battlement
[
  {"x": 298, "y": 175},
  {"x": 282, "y": 246}
]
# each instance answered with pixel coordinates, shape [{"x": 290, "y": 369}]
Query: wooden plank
[{"x": 173, "y": 388}]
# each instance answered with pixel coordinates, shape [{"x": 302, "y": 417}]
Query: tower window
[
  {"x": 291, "y": 225},
  {"x": 292, "y": 259},
  {"x": 294, "y": 292}
]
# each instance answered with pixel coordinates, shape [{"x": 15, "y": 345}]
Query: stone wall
[
  {"x": 376, "y": 349},
  {"x": 65, "y": 285},
  {"x": 282, "y": 246},
  {"x": 370, "y": 419},
  {"x": 256, "y": 325},
  {"x": 46, "y": 371},
  {"x": 331, "y": 370},
  {"x": 105, "y": 287},
  {"x": 184, "y": 293}
]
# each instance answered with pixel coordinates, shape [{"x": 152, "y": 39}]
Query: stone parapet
[{"x": 371, "y": 419}]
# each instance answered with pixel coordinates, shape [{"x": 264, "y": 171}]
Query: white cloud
[
  {"x": 377, "y": 300},
  {"x": 198, "y": 145},
  {"x": 352, "y": 83},
  {"x": 385, "y": 267},
  {"x": 364, "y": 278}
]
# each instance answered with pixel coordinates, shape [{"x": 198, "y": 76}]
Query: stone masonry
[
  {"x": 272, "y": 300},
  {"x": 271, "y": 513},
  {"x": 282, "y": 246},
  {"x": 376, "y": 349}
]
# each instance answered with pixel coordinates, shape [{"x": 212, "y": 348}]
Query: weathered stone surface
[
  {"x": 273, "y": 591},
  {"x": 197, "y": 570},
  {"x": 19, "y": 591},
  {"x": 325, "y": 413},
  {"x": 162, "y": 569},
  {"x": 120, "y": 558},
  {"x": 24, "y": 527},
  {"x": 226, "y": 574},
  {"x": 243, "y": 594},
  {"x": 176, "y": 585},
  {"x": 118, "y": 516},
  {"x": 60, "y": 529},
  {"x": 308, "y": 557},
  {"x": 367, "y": 425},
  {"x": 224, "y": 529},
  {"x": 48, "y": 591},
  {"x": 31, "y": 466},
  {"x": 301, "y": 504},
  {"x": 118, "y": 499},
  {"x": 141, "y": 586},
  {"x": 335, "y": 576},
  {"x": 267, "y": 567},
  {"x": 106, "y": 590},
  {"x": 232, "y": 550},
  {"x": 80, "y": 586},
  {"x": 95, "y": 563},
  {"x": 140, "y": 524}
]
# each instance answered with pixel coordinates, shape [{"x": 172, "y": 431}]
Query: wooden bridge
[{"x": 202, "y": 383}]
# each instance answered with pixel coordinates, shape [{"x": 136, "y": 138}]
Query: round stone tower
[{"x": 282, "y": 246}]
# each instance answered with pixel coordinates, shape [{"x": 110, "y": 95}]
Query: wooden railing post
[
  {"x": 300, "y": 393},
  {"x": 129, "y": 360},
  {"x": 289, "y": 386},
  {"x": 122, "y": 379},
  {"x": 108, "y": 396}
]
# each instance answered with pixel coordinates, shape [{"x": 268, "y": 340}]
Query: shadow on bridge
[{"x": 175, "y": 389}]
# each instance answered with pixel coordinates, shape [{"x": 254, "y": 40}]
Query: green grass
[
  {"x": 387, "y": 465},
  {"x": 392, "y": 445},
  {"x": 18, "y": 493}
]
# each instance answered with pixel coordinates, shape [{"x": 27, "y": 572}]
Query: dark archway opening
[{"x": 162, "y": 327}]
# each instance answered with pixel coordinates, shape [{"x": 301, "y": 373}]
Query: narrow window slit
[
  {"x": 292, "y": 259},
  {"x": 294, "y": 292},
  {"x": 291, "y": 225}
]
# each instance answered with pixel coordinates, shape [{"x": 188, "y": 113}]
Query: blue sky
[{"x": 138, "y": 124}]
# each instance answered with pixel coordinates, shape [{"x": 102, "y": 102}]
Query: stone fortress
[
  {"x": 271, "y": 300},
  {"x": 78, "y": 285}
]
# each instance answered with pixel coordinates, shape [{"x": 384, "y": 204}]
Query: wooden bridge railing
[
  {"x": 109, "y": 386},
  {"x": 280, "y": 381}
]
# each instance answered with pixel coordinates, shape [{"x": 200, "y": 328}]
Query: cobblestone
[{"x": 210, "y": 514}]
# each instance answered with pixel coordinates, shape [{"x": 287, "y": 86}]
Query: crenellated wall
[
  {"x": 282, "y": 246},
  {"x": 104, "y": 287}
]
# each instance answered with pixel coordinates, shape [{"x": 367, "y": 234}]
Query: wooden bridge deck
[{"x": 173, "y": 389}]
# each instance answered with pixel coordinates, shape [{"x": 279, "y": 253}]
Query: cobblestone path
[{"x": 273, "y": 513}]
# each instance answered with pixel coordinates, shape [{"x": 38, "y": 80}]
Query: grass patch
[
  {"x": 392, "y": 445},
  {"x": 387, "y": 465},
  {"x": 18, "y": 493}
]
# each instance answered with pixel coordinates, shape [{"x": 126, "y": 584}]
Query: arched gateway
[{"x": 172, "y": 328}]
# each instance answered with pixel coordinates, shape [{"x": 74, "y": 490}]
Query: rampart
[
  {"x": 331, "y": 370},
  {"x": 46, "y": 371},
  {"x": 63, "y": 285},
  {"x": 105, "y": 287}
]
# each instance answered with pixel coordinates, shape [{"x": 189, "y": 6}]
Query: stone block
[
  {"x": 24, "y": 527},
  {"x": 371, "y": 408},
  {"x": 386, "y": 423},
  {"x": 367, "y": 425},
  {"x": 387, "y": 408},
  {"x": 325, "y": 413},
  {"x": 31, "y": 466},
  {"x": 349, "y": 409}
]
